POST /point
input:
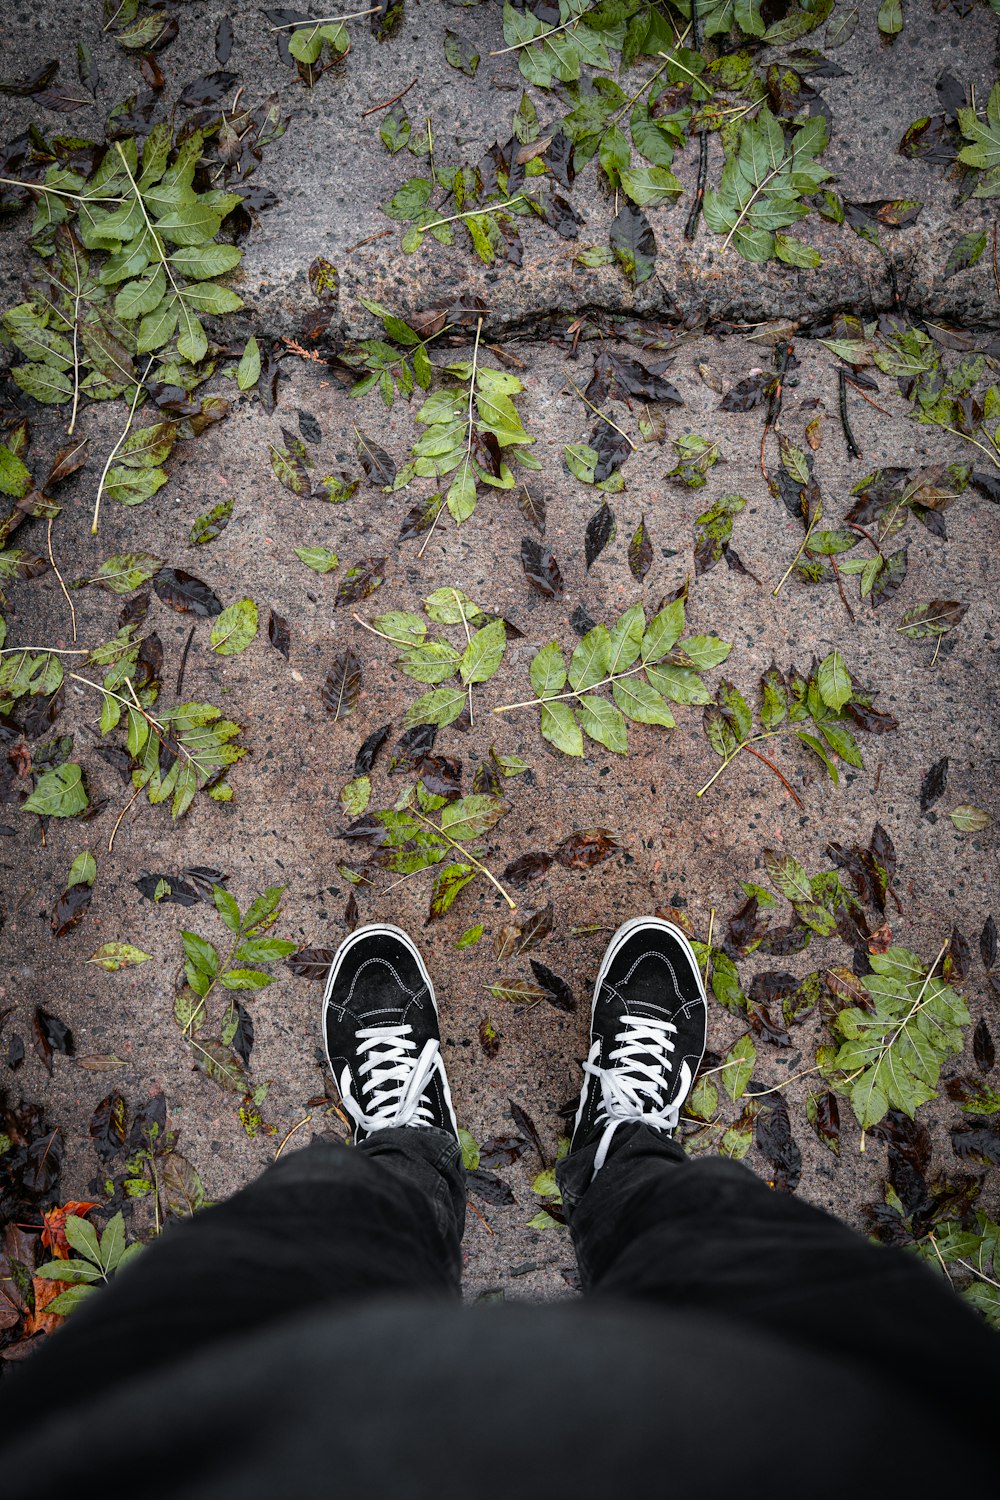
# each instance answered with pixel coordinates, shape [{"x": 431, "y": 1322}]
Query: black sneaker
[
  {"x": 647, "y": 1033},
  {"x": 380, "y": 1027}
]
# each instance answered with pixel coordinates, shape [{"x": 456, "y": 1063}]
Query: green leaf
[
  {"x": 650, "y": 186},
  {"x": 127, "y": 571},
  {"x": 356, "y": 795},
  {"x": 15, "y": 479},
  {"x": 548, "y": 670},
  {"x": 819, "y": 749},
  {"x": 247, "y": 979},
  {"x": 235, "y": 629},
  {"x": 83, "y": 870},
  {"x": 640, "y": 702},
  {"x": 440, "y": 707},
  {"x": 834, "y": 680},
  {"x": 114, "y": 956},
  {"x": 248, "y": 369},
  {"x": 890, "y": 17},
  {"x": 320, "y": 559},
  {"x": 663, "y": 631},
  {"x": 201, "y": 262},
  {"x": 484, "y": 653},
  {"x": 212, "y": 524},
  {"x": 451, "y": 879},
  {"x": 589, "y": 662},
  {"x": 44, "y": 383},
  {"x": 560, "y": 728},
  {"x": 83, "y": 1237},
  {"x": 470, "y": 1150},
  {"x": 966, "y": 818},
  {"x": 470, "y": 817},
  {"x": 633, "y": 244},
  {"x": 738, "y": 1066},
  {"x": 470, "y": 937},
  {"x": 460, "y": 54},
  {"x": 264, "y": 950},
  {"x": 59, "y": 793},
  {"x": 794, "y": 253}
]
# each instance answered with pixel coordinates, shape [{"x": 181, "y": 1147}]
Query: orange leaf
[
  {"x": 54, "y": 1233},
  {"x": 45, "y": 1291}
]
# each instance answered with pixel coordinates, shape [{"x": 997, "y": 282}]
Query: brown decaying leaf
[
  {"x": 360, "y": 580},
  {"x": 824, "y": 1118},
  {"x": 489, "y": 1038},
  {"x": 521, "y": 936},
  {"x": 586, "y": 847},
  {"x": 377, "y": 464},
  {"x": 342, "y": 687},
  {"x": 880, "y": 940},
  {"x": 365, "y": 758},
  {"x": 185, "y": 593},
  {"x": 640, "y": 552},
  {"x": 69, "y": 908},
  {"x": 530, "y": 866},
  {"x": 107, "y": 1126},
  {"x": 532, "y": 508},
  {"x": 311, "y": 963}
]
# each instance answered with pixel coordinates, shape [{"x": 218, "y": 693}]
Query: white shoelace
[
  {"x": 633, "y": 1089},
  {"x": 396, "y": 1080}
]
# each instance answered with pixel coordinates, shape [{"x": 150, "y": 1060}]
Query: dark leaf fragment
[
  {"x": 243, "y": 1037},
  {"x": 600, "y": 530},
  {"x": 185, "y": 593},
  {"x": 775, "y": 1143},
  {"x": 107, "y": 1127},
  {"x": 311, "y": 963},
  {"x": 633, "y": 243},
  {"x": 51, "y": 1035},
  {"x": 526, "y": 1126},
  {"x": 823, "y": 1112},
  {"x": 541, "y": 568},
  {"x": 934, "y": 783},
  {"x": 983, "y": 1049},
  {"x": 278, "y": 633},
  {"x": 746, "y": 394},
  {"x": 342, "y": 687},
  {"x": 69, "y": 909},
  {"x": 489, "y": 1187},
  {"x": 365, "y": 758},
  {"x": 980, "y": 1143},
  {"x": 223, "y": 40},
  {"x": 532, "y": 508},
  {"x": 988, "y": 943},
  {"x": 557, "y": 991}
]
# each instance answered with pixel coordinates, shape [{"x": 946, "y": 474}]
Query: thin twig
[
  {"x": 789, "y": 789},
  {"x": 184, "y": 657},
  {"x": 996, "y": 274},
  {"x": 76, "y": 345},
  {"x": 290, "y": 1134},
  {"x": 121, "y": 816},
  {"x": 468, "y": 642},
  {"x": 386, "y": 102},
  {"x": 380, "y": 236},
  {"x": 479, "y": 1216},
  {"x": 852, "y": 448},
  {"x": 840, "y": 588},
  {"x": 864, "y": 395},
  {"x": 443, "y": 833},
  {"x": 552, "y": 31},
  {"x": 805, "y": 543},
  {"x": 72, "y": 611},
  {"x": 492, "y": 208},
  {"x": 353, "y": 15}
]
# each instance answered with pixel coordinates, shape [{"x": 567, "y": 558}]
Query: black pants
[{"x": 326, "y": 1235}]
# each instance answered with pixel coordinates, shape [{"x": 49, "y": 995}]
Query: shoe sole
[{"x": 381, "y": 929}]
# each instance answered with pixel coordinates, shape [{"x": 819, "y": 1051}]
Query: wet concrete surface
[{"x": 677, "y": 849}]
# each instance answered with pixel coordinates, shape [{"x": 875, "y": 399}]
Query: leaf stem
[
  {"x": 468, "y": 642},
  {"x": 991, "y": 456},
  {"x": 443, "y": 833},
  {"x": 805, "y": 543},
  {"x": 492, "y": 208},
  {"x": 353, "y": 15},
  {"x": 41, "y": 187},
  {"x": 114, "y": 452},
  {"x": 597, "y": 411},
  {"x": 468, "y": 444},
  {"x": 785, "y": 161},
  {"x": 543, "y": 36}
]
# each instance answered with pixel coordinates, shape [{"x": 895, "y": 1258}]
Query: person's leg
[
  {"x": 649, "y": 1222},
  {"x": 327, "y": 1223}
]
